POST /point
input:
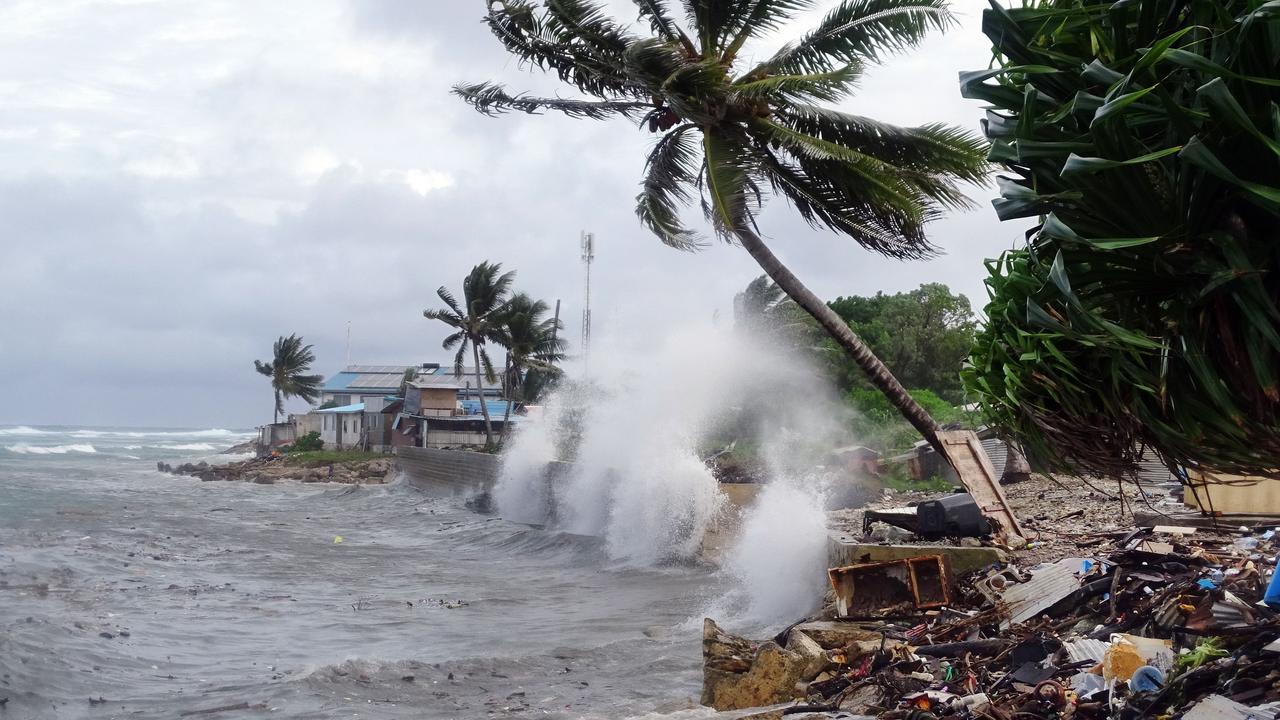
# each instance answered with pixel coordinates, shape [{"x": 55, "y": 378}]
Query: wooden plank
[{"x": 973, "y": 467}]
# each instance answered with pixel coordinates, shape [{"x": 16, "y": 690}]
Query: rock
[
  {"x": 731, "y": 682},
  {"x": 815, "y": 657},
  {"x": 831, "y": 634}
]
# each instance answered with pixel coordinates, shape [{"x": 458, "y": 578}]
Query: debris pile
[{"x": 1163, "y": 622}]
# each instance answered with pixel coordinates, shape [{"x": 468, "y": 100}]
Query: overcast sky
[{"x": 181, "y": 181}]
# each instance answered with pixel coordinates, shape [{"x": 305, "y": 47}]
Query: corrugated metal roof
[
  {"x": 377, "y": 380},
  {"x": 339, "y": 382}
]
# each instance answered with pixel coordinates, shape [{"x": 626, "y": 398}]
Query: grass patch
[
  {"x": 317, "y": 458},
  {"x": 896, "y": 478}
]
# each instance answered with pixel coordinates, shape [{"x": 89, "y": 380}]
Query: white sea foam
[
  {"x": 25, "y": 430},
  {"x": 25, "y": 449},
  {"x": 185, "y": 446},
  {"x": 210, "y": 433}
]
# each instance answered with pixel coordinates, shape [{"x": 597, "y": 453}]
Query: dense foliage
[
  {"x": 923, "y": 336},
  {"x": 309, "y": 442},
  {"x": 878, "y": 425},
  {"x": 1145, "y": 137}
]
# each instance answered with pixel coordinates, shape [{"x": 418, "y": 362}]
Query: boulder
[
  {"x": 733, "y": 679},
  {"x": 816, "y": 659}
]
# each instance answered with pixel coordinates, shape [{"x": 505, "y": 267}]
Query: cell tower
[{"x": 588, "y": 255}]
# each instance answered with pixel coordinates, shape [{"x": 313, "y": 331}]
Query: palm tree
[
  {"x": 290, "y": 363},
  {"x": 533, "y": 343},
  {"x": 759, "y": 305},
  {"x": 729, "y": 134},
  {"x": 484, "y": 296}
]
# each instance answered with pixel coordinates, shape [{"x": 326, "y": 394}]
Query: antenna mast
[
  {"x": 588, "y": 255},
  {"x": 348, "y": 343}
]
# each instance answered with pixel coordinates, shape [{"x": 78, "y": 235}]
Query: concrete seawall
[{"x": 460, "y": 471}]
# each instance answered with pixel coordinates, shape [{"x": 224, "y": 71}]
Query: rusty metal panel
[{"x": 891, "y": 587}]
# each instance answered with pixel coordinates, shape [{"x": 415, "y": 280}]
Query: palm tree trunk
[
  {"x": 484, "y": 408},
  {"x": 508, "y": 389},
  {"x": 275, "y": 411},
  {"x": 839, "y": 330}
]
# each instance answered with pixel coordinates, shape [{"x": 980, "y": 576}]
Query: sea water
[{"x": 128, "y": 593}]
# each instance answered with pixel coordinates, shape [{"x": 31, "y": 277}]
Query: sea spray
[
  {"x": 779, "y": 561},
  {"x": 639, "y": 429}
]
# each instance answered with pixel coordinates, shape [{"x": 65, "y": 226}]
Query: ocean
[{"x": 128, "y": 593}]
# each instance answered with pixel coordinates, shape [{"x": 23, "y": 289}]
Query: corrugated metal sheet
[
  {"x": 1047, "y": 586},
  {"x": 1086, "y": 649},
  {"x": 1217, "y": 707},
  {"x": 997, "y": 452}
]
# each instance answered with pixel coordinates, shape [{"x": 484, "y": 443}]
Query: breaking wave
[
  {"x": 185, "y": 446},
  {"x": 210, "y": 433},
  {"x": 25, "y": 430},
  {"x": 25, "y": 449}
]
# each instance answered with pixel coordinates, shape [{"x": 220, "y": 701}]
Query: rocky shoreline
[{"x": 269, "y": 470}]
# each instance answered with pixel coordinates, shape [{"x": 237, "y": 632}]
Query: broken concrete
[{"x": 832, "y": 634}]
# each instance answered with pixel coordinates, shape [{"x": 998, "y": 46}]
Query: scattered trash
[
  {"x": 337, "y": 539},
  {"x": 1140, "y": 626}
]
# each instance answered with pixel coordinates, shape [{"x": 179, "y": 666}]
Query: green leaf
[{"x": 1085, "y": 165}]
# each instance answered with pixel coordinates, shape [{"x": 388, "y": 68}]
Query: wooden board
[{"x": 965, "y": 453}]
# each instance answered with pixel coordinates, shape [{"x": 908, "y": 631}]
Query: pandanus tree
[
  {"x": 289, "y": 371},
  {"x": 728, "y": 131},
  {"x": 475, "y": 321},
  {"x": 1141, "y": 138},
  {"x": 533, "y": 344}
]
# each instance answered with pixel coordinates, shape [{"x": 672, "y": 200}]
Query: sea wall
[{"x": 457, "y": 470}]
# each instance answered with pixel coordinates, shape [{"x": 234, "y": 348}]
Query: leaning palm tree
[
  {"x": 290, "y": 363},
  {"x": 533, "y": 343},
  {"x": 475, "y": 322},
  {"x": 729, "y": 133}
]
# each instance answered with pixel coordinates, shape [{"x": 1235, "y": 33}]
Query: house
[
  {"x": 343, "y": 427},
  {"x": 442, "y": 409},
  {"x": 374, "y": 407}
]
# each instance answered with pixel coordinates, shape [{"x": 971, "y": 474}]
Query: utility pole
[{"x": 588, "y": 255}]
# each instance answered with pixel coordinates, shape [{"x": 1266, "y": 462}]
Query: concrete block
[{"x": 843, "y": 549}]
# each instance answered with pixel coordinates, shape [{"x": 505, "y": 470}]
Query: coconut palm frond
[
  {"x": 861, "y": 30},
  {"x": 493, "y": 99}
]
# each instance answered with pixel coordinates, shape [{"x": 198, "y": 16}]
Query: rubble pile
[{"x": 1160, "y": 622}]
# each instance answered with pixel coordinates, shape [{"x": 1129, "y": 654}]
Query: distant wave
[
  {"x": 211, "y": 433},
  {"x": 187, "y": 446},
  {"x": 25, "y": 449},
  {"x": 24, "y": 430}
]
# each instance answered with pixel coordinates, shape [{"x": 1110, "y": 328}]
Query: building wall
[{"x": 454, "y": 438}]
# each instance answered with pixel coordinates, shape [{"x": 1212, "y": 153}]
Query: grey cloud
[{"x": 223, "y": 174}]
